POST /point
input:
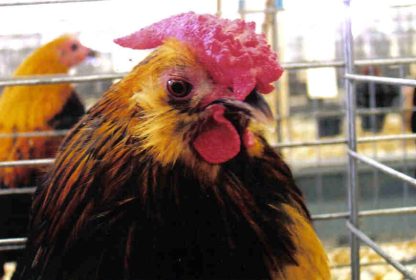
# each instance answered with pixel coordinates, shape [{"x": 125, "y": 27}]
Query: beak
[
  {"x": 257, "y": 101},
  {"x": 92, "y": 53},
  {"x": 254, "y": 106}
]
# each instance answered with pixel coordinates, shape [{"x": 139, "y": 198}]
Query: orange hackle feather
[{"x": 35, "y": 108}]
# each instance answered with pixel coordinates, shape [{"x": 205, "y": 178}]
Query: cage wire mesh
[{"x": 350, "y": 145}]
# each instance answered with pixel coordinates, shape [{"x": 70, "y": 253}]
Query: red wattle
[{"x": 218, "y": 141}]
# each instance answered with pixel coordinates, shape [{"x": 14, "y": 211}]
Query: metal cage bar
[
  {"x": 384, "y": 168},
  {"x": 351, "y": 142},
  {"x": 367, "y": 213},
  {"x": 27, "y": 162},
  {"x": 11, "y": 244},
  {"x": 370, "y": 263},
  {"x": 339, "y": 64},
  {"x": 396, "y": 137},
  {"x": 382, "y": 80},
  {"x": 370, "y": 243},
  {"x": 298, "y": 144},
  {"x": 359, "y": 111},
  {"x": 336, "y": 141},
  {"x": 26, "y": 190},
  {"x": 53, "y": 79},
  {"x": 45, "y": 133}
]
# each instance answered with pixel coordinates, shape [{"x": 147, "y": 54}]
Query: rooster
[
  {"x": 35, "y": 108},
  {"x": 169, "y": 176}
]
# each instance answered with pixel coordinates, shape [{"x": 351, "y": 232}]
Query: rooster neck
[
  {"x": 243, "y": 211},
  {"x": 157, "y": 221}
]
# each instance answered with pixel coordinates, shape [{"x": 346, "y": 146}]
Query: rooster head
[{"x": 200, "y": 92}]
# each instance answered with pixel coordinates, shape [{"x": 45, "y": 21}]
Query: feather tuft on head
[{"x": 230, "y": 50}]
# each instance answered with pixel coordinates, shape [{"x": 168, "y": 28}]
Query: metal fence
[
  {"x": 356, "y": 234},
  {"x": 351, "y": 216}
]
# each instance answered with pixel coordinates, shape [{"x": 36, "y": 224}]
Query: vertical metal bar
[
  {"x": 352, "y": 142},
  {"x": 242, "y": 8},
  {"x": 275, "y": 46},
  {"x": 219, "y": 8},
  {"x": 269, "y": 28}
]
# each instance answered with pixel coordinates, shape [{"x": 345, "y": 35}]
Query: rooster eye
[
  {"x": 74, "y": 47},
  {"x": 178, "y": 88}
]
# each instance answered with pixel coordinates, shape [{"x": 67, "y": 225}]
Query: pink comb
[{"x": 233, "y": 53}]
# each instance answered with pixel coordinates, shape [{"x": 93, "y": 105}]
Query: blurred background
[{"x": 309, "y": 105}]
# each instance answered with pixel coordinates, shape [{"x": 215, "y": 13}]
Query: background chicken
[
  {"x": 169, "y": 176},
  {"x": 35, "y": 108},
  {"x": 39, "y": 108},
  {"x": 384, "y": 96}
]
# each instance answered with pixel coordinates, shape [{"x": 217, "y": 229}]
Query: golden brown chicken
[
  {"x": 39, "y": 108},
  {"x": 169, "y": 176}
]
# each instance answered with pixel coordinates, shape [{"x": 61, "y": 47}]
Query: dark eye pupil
[
  {"x": 179, "y": 88},
  {"x": 74, "y": 47}
]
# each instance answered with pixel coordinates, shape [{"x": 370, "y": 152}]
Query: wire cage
[{"x": 354, "y": 160}]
